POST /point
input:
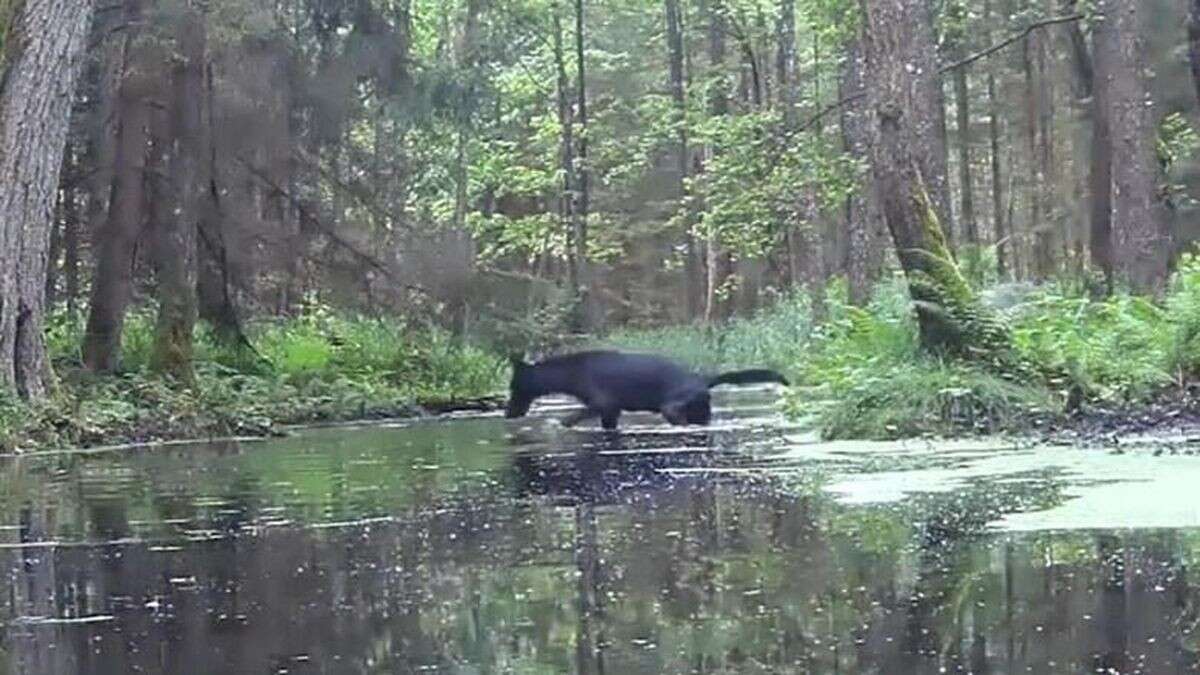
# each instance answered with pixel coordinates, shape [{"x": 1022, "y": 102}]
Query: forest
[{"x": 936, "y": 216}]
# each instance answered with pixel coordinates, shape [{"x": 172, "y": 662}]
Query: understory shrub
[
  {"x": 321, "y": 366},
  {"x": 858, "y": 371}
]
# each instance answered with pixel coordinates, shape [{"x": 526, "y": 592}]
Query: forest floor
[
  {"x": 1173, "y": 416},
  {"x": 316, "y": 369},
  {"x": 1122, "y": 365},
  {"x": 133, "y": 411}
]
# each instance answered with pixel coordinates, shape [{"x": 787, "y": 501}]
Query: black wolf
[{"x": 608, "y": 382}]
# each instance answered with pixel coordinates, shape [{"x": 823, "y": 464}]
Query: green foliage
[
  {"x": 1115, "y": 349},
  {"x": 929, "y": 396},
  {"x": 1177, "y": 139},
  {"x": 317, "y": 367},
  {"x": 774, "y": 337},
  {"x": 862, "y": 372},
  {"x": 978, "y": 265},
  {"x": 871, "y": 379},
  {"x": 1177, "y": 144},
  {"x": 867, "y": 376},
  {"x": 758, "y": 174},
  {"x": 1183, "y": 311}
]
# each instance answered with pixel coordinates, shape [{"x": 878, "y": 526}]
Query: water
[{"x": 480, "y": 545}]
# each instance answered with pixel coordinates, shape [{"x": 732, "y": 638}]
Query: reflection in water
[{"x": 452, "y": 547}]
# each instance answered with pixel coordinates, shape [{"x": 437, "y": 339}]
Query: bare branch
[
  {"x": 1014, "y": 38},
  {"x": 362, "y": 256},
  {"x": 1024, "y": 33}
]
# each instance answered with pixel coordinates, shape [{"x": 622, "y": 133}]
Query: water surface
[{"x": 480, "y": 545}]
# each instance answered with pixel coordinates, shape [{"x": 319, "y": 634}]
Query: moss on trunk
[
  {"x": 173, "y": 349},
  {"x": 951, "y": 317}
]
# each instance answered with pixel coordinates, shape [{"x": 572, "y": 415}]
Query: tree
[
  {"x": 718, "y": 261},
  {"x": 112, "y": 285},
  {"x": 901, "y": 81},
  {"x": 1194, "y": 43},
  {"x": 692, "y": 268},
  {"x": 567, "y": 140},
  {"x": 183, "y": 140},
  {"x": 998, "y": 221},
  {"x": 866, "y": 230},
  {"x": 785, "y": 61},
  {"x": 957, "y": 39},
  {"x": 1139, "y": 236},
  {"x": 42, "y": 48},
  {"x": 588, "y": 300}
]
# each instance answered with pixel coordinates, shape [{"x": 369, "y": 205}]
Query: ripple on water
[{"x": 488, "y": 545}]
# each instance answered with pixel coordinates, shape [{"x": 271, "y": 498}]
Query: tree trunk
[
  {"x": 962, "y": 106},
  {"x": 461, "y": 242},
  {"x": 785, "y": 61},
  {"x": 1037, "y": 91},
  {"x": 1032, "y": 183},
  {"x": 936, "y": 158},
  {"x": 42, "y": 50},
  {"x": 112, "y": 283},
  {"x": 866, "y": 231},
  {"x": 898, "y": 41},
  {"x": 182, "y": 139},
  {"x": 1082, "y": 88},
  {"x": 566, "y": 124},
  {"x": 1140, "y": 241},
  {"x": 71, "y": 264},
  {"x": 926, "y": 105},
  {"x": 719, "y": 262},
  {"x": 1047, "y": 234},
  {"x": 214, "y": 299},
  {"x": 998, "y": 224},
  {"x": 1194, "y": 42},
  {"x": 588, "y": 302},
  {"x": 692, "y": 267},
  {"x": 50, "y": 293},
  {"x": 1100, "y": 159},
  {"x": 764, "y": 56},
  {"x": 786, "y": 73},
  {"x": 102, "y": 81}
]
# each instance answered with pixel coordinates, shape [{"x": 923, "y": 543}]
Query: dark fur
[{"x": 611, "y": 382}]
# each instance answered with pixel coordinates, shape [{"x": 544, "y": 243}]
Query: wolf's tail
[{"x": 747, "y": 377}]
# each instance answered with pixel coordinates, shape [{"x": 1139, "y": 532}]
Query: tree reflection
[{"x": 615, "y": 558}]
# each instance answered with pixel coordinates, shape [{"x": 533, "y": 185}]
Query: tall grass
[
  {"x": 317, "y": 349},
  {"x": 774, "y": 337},
  {"x": 860, "y": 372},
  {"x": 320, "y": 366}
]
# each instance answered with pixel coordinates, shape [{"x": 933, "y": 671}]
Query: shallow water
[{"x": 480, "y": 545}]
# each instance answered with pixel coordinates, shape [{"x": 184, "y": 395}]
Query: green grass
[
  {"x": 318, "y": 367},
  {"x": 860, "y": 372},
  {"x": 775, "y": 337}
]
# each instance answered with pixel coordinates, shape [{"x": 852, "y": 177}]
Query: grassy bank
[
  {"x": 318, "y": 368},
  {"x": 861, "y": 374}
]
